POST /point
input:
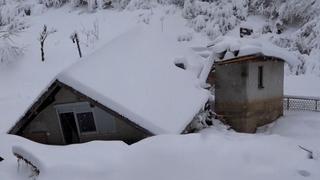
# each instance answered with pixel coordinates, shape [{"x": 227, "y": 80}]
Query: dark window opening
[
  {"x": 86, "y": 122},
  {"x": 260, "y": 77}
]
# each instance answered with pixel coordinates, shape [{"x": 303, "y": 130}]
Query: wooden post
[
  {"x": 42, "y": 51},
  {"x": 288, "y": 103},
  {"x": 78, "y": 45},
  {"x": 316, "y": 105},
  {"x": 75, "y": 39}
]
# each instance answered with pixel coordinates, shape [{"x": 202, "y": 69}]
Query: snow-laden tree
[
  {"x": 217, "y": 17},
  {"x": 120, "y": 4},
  {"x": 288, "y": 11},
  {"x": 53, "y": 3},
  {"x": 141, "y": 4},
  {"x": 9, "y": 50},
  {"x": 11, "y": 24}
]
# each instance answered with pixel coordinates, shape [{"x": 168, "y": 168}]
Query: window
[
  {"x": 78, "y": 117},
  {"x": 86, "y": 122},
  {"x": 260, "y": 77}
]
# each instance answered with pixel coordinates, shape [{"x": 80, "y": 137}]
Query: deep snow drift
[
  {"x": 273, "y": 153},
  {"x": 213, "y": 153}
]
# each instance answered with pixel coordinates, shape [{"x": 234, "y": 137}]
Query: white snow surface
[
  {"x": 214, "y": 153},
  {"x": 135, "y": 75},
  {"x": 249, "y": 46}
]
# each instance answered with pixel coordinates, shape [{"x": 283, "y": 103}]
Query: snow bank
[
  {"x": 82, "y": 157},
  {"x": 249, "y": 46},
  {"x": 215, "y": 153},
  {"x": 136, "y": 76}
]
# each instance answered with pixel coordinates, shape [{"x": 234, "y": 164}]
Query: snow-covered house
[
  {"x": 248, "y": 80},
  {"x": 128, "y": 90}
]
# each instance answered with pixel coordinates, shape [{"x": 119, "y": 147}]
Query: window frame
[
  {"x": 94, "y": 123},
  {"x": 76, "y": 108},
  {"x": 260, "y": 77}
]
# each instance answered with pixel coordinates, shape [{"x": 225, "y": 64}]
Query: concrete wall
[
  {"x": 230, "y": 92},
  {"x": 264, "y": 104},
  {"x": 272, "y": 80},
  {"x": 239, "y": 99},
  {"x": 48, "y": 126}
]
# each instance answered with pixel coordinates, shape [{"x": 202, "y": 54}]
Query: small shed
[
  {"x": 128, "y": 90},
  {"x": 248, "y": 80}
]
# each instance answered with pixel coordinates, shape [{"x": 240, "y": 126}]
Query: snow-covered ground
[
  {"x": 273, "y": 153},
  {"x": 214, "y": 153}
]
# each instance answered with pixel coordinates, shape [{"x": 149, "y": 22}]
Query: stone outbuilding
[{"x": 249, "y": 82}]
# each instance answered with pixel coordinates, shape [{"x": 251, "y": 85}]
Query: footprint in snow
[{"x": 304, "y": 173}]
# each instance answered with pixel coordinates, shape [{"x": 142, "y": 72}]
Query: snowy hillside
[{"x": 214, "y": 153}]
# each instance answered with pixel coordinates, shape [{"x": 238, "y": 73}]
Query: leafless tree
[{"x": 43, "y": 36}]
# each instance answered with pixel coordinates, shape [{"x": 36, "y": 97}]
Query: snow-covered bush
[
  {"x": 179, "y": 3},
  {"x": 91, "y": 35},
  {"x": 141, "y": 4},
  {"x": 217, "y": 17},
  {"x": 10, "y": 51},
  {"x": 288, "y": 11},
  {"x": 53, "y": 3},
  {"x": 11, "y": 24},
  {"x": 10, "y": 11},
  {"x": 304, "y": 40}
]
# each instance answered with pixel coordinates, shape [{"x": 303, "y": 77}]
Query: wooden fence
[{"x": 301, "y": 103}]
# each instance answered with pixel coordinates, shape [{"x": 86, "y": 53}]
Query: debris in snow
[
  {"x": 1, "y": 159},
  {"x": 185, "y": 37},
  {"x": 245, "y": 32},
  {"x": 304, "y": 173},
  {"x": 310, "y": 153},
  {"x": 204, "y": 119},
  {"x": 34, "y": 170}
]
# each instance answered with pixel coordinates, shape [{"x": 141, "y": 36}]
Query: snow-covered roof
[
  {"x": 135, "y": 75},
  {"x": 250, "y": 46}
]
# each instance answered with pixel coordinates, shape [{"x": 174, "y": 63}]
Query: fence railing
[{"x": 301, "y": 103}]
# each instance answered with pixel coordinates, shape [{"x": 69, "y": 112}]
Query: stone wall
[{"x": 238, "y": 98}]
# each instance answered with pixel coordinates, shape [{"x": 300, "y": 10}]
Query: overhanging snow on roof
[
  {"x": 226, "y": 48},
  {"x": 135, "y": 75}
]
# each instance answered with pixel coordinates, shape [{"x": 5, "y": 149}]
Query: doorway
[{"x": 69, "y": 128}]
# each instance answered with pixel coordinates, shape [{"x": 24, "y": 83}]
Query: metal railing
[{"x": 301, "y": 103}]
